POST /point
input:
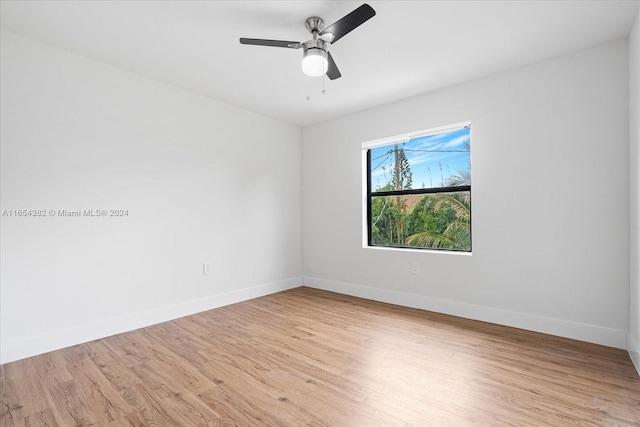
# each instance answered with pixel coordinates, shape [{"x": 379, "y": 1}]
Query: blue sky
[{"x": 433, "y": 159}]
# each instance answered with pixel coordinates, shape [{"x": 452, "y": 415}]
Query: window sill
[{"x": 421, "y": 251}]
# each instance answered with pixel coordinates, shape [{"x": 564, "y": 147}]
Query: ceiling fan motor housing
[
  {"x": 314, "y": 24},
  {"x": 315, "y": 44}
]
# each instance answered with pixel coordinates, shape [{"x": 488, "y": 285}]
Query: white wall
[
  {"x": 634, "y": 183},
  {"x": 550, "y": 176},
  {"x": 203, "y": 183}
]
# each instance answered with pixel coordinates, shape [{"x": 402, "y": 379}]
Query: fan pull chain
[{"x": 323, "y": 91}]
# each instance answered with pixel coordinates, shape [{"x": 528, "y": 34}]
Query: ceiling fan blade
[
  {"x": 348, "y": 23},
  {"x": 332, "y": 72},
  {"x": 274, "y": 43}
]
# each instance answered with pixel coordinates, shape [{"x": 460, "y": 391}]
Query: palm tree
[
  {"x": 457, "y": 235},
  {"x": 462, "y": 177}
]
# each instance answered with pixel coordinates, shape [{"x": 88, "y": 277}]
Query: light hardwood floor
[{"x": 311, "y": 358}]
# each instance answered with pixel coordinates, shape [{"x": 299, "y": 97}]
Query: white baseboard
[
  {"x": 34, "y": 345},
  {"x": 634, "y": 351},
  {"x": 580, "y": 331}
]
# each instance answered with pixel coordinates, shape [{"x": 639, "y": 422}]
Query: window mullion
[{"x": 433, "y": 190}]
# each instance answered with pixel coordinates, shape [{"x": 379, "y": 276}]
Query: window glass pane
[
  {"x": 432, "y": 161},
  {"x": 441, "y": 221}
]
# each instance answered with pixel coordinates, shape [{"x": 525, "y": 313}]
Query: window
[{"x": 418, "y": 190}]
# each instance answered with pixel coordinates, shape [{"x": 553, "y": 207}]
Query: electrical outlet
[
  {"x": 415, "y": 267},
  {"x": 206, "y": 268}
]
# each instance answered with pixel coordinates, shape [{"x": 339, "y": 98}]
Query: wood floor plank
[
  {"x": 311, "y": 358},
  {"x": 44, "y": 418},
  {"x": 101, "y": 397}
]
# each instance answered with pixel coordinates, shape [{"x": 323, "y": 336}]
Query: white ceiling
[{"x": 408, "y": 48}]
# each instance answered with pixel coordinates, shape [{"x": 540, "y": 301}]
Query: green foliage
[
  {"x": 457, "y": 232},
  {"x": 386, "y": 218},
  {"x": 436, "y": 221}
]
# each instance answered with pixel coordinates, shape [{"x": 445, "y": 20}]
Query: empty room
[{"x": 319, "y": 213}]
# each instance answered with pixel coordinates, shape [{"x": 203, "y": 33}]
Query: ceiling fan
[{"x": 316, "y": 59}]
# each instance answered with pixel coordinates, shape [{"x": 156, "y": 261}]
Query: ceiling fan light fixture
[{"x": 314, "y": 62}]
